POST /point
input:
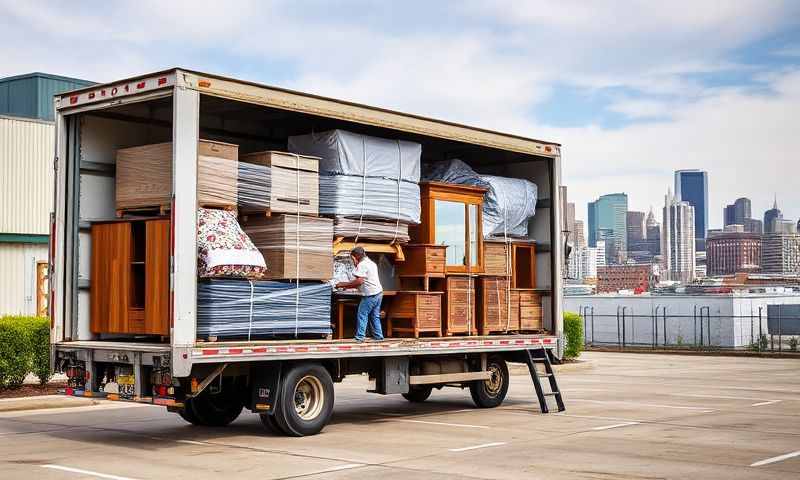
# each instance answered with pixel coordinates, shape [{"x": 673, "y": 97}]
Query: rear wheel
[
  {"x": 187, "y": 413},
  {"x": 418, "y": 394},
  {"x": 270, "y": 423},
  {"x": 491, "y": 393},
  {"x": 216, "y": 409},
  {"x": 305, "y": 400}
]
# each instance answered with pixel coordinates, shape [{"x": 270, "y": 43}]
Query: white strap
[
  {"x": 363, "y": 185},
  {"x": 399, "y": 179},
  {"x": 297, "y": 252},
  {"x": 250, "y": 324}
]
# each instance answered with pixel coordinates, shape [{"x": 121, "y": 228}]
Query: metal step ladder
[{"x": 540, "y": 356}]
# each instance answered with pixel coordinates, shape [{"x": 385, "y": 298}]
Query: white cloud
[{"x": 485, "y": 63}]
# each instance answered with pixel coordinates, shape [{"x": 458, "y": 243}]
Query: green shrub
[
  {"x": 40, "y": 348},
  {"x": 573, "y": 331},
  {"x": 24, "y": 348}
]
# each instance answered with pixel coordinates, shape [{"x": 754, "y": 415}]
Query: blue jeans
[{"x": 369, "y": 310}]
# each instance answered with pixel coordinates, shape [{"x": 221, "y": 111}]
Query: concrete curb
[{"x": 43, "y": 402}]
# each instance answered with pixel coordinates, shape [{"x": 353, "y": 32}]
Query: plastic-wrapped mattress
[
  {"x": 347, "y": 153},
  {"x": 243, "y": 309},
  {"x": 368, "y": 197},
  {"x": 507, "y": 205}
]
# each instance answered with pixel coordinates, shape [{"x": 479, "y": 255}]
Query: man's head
[{"x": 358, "y": 254}]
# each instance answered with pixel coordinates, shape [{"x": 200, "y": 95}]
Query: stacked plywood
[
  {"x": 289, "y": 242},
  {"x": 144, "y": 176},
  {"x": 278, "y": 182}
]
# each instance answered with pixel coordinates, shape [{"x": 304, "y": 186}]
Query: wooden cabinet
[
  {"x": 526, "y": 310},
  {"x": 452, "y": 216},
  {"x": 459, "y": 304},
  {"x": 130, "y": 277},
  {"x": 516, "y": 259},
  {"x": 415, "y": 313},
  {"x": 494, "y": 305},
  {"x": 422, "y": 262}
]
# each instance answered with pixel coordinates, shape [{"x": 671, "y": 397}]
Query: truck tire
[
  {"x": 217, "y": 410},
  {"x": 491, "y": 393},
  {"x": 271, "y": 424},
  {"x": 305, "y": 400},
  {"x": 187, "y": 413},
  {"x": 418, "y": 394}
]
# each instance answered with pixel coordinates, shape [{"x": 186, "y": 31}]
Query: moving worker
[{"x": 369, "y": 285}]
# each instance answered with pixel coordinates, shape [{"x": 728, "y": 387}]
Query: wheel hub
[
  {"x": 309, "y": 397},
  {"x": 495, "y": 383}
]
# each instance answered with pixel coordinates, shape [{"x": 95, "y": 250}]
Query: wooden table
[{"x": 341, "y": 300}]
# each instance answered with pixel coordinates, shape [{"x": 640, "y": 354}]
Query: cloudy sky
[{"x": 633, "y": 90}]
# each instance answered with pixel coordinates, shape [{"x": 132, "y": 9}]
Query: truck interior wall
[
  {"x": 256, "y": 127},
  {"x": 100, "y": 137}
]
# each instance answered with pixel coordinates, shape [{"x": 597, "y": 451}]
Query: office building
[
  {"x": 781, "y": 225},
  {"x": 678, "y": 240},
  {"x": 731, "y": 251},
  {"x": 613, "y": 278},
  {"x": 753, "y": 225},
  {"x": 608, "y": 222},
  {"x": 780, "y": 250},
  {"x": 691, "y": 186},
  {"x": 27, "y": 135},
  {"x": 653, "y": 233},
  {"x": 578, "y": 234},
  {"x": 740, "y": 213},
  {"x": 770, "y": 216},
  {"x": 636, "y": 226}
]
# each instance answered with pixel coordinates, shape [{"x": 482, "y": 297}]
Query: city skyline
[{"x": 755, "y": 212}]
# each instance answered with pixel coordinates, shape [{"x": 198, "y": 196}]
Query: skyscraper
[
  {"x": 691, "y": 186},
  {"x": 653, "y": 233},
  {"x": 738, "y": 212},
  {"x": 770, "y": 216},
  {"x": 678, "y": 239},
  {"x": 608, "y": 222},
  {"x": 635, "y": 226},
  {"x": 578, "y": 234}
]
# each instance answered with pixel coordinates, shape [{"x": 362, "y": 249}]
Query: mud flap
[{"x": 266, "y": 379}]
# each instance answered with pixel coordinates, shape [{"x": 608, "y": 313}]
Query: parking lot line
[
  {"x": 86, "y": 472},
  {"x": 475, "y": 447},
  {"x": 779, "y": 458},
  {"x": 764, "y": 403},
  {"x": 462, "y": 425},
  {"x": 680, "y": 407},
  {"x": 617, "y": 425}
]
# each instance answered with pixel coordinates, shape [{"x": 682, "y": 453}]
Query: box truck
[{"x": 289, "y": 382}]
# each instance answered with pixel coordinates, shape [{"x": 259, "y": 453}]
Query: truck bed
[{"x": 265, "y": 350}]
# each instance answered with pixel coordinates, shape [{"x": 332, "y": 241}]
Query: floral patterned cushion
[{"x": 223, "y": 249}]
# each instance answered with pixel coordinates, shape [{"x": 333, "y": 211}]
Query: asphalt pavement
[{"x": 628, "y": 416}]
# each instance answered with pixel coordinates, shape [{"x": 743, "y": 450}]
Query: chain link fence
[{"x": 768, "y": 329}]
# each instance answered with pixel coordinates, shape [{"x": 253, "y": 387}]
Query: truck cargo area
[{"x": 149, "y": 348}]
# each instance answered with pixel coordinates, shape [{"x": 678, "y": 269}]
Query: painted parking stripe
[
  {"x": 680, "y": 407},
  {"x": 475, "y": 447},
  {"x": 338, "y": 468},
  {"x": 443, "y": 424},
  {"x": 86, "y": 472},
  {"x": 617, "y": 425},
  {"x": 779, "y": 458},
  {"x": 764, "y": 403}
]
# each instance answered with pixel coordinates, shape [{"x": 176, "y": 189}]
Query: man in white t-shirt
[{"x": 369, "y": 285}]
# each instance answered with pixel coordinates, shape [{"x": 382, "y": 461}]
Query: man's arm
[{"x": 351, "y": 284}]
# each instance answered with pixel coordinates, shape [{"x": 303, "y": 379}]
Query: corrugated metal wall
[
  {"x": 31, "y": 95},
  {"x": 18, "y": 277},
  {"x": 26, "y": 175}
]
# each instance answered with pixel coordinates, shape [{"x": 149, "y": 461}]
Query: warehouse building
[{"x": 26, "y": 187}]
